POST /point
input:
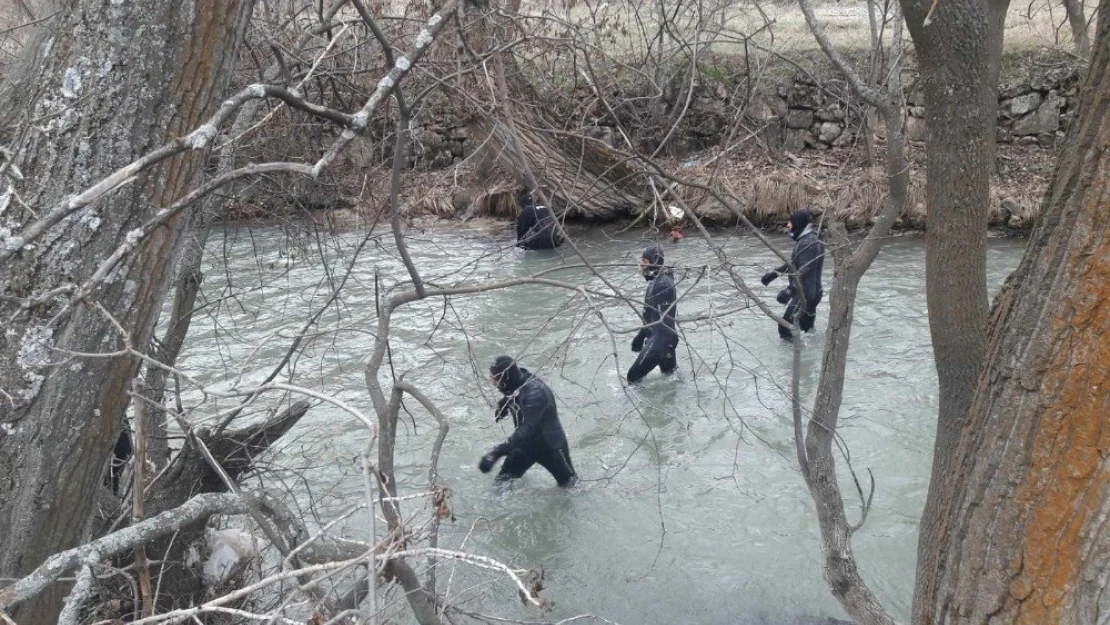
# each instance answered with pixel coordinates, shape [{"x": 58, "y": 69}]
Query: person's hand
[
  {"x": 485, "y": 465},
  {"x": 502, "y": 409},
  {"x": 769, "y": 277},
  {"x": 784, "y": 296},
  {"x": 638, "y": 342}
]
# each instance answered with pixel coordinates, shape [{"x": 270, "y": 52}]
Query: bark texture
[
  {"x": 959, "y": 54},
  {"x": 1022, "y": 535},
  {"x": 1078, "y": 22},
  {"x": 121, "y": 79},
  {"x": 191, "y": 474}
]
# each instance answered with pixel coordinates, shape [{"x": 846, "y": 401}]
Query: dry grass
[
  {"x": 449, "y": 194},
  {"x": 769, "y": 190},
  {"x": 780, "y": 27},
  {"x": 1029, "y": 26},
  {"x": 766, "y": 189},
  {"x": 771, "y": 198}
]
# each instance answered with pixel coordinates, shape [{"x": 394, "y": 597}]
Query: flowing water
[{"x": 691, "y": 509}]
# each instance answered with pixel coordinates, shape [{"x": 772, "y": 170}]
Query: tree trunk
[
  {"x": 189, "y": 272},
  {"x": 186, "y": 289},
  {"x": 122, "y": 78},
  {"x": 191, "y": 475},
  {"x": 1078, "y": 22},
  {"x": 1022, "y": 526},
  {"x": 960, "y": 52}
]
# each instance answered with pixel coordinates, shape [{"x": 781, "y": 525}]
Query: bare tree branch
[{"x": 196, "y": 509}]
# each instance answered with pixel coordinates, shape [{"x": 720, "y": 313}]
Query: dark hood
[
  {"x": 654, "y": 255},
  {"x": 512, "y": 377},
  {"x": 799, "y": 219},
  {"x": 524, "y": 200}
]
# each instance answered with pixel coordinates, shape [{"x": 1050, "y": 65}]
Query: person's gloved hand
[
  {"x": 485, "y": 465},
  {"x": 769, "y": 277},
  {"x": 638, "y": 342},
  {"x": 784, "y": 296},
  {"x": 502, "y": 409}
]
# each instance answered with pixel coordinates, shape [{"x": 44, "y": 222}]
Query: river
[{"x": 691, "y": 509}]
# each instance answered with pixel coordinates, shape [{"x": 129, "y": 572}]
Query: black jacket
[
  {"x": 536, "y": 227},
  {"x": 809, "y": 259},
  {"x": 660, "y": 308},
  {"x": 532, "y": 406}
]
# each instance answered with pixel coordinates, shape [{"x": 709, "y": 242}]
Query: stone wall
[
  {"x": 795, "y": 114},
  {"x": 802, "y": 115},
  {"x": 1038, "y": 110},
  {"x": 439, "y": 143}
]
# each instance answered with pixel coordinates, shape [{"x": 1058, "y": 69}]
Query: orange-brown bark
[
  {"x": 1020, "y": 536},
  {"x": 1066, "y": 489}
]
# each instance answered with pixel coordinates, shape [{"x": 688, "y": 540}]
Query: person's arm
[
  {"x": 524, "y": 223},
  {"x": 770, "y": 276},
  {"x": 796, "y": 259},
  {"x": 531, "y": 410},
  {"x": 649, "y": 316},
  {"x": 503, "y": 409}
]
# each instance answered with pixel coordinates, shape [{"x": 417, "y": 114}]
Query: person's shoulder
[
  {"x": 535, "y": 390},
  {"x": 811, "y": 238},
  {"x": 534, "y": 382}
]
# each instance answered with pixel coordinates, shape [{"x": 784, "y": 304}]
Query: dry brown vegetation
[
  {"x": 768, "y": 184},
  {"x": 769, "y": 187}
]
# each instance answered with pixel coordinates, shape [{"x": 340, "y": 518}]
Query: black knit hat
[
  {"x": 525, "y": 199},
  {"x": 799, "y": 219},
  {"x": 654, "y": 255},
  {"x": 507, "y": 374}
]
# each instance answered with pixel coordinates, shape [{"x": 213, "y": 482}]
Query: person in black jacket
[
  {"x": 121, "y": 455},
  {"x": 538, "y": 437},
  {"x": 657, "y": 340},
  {"x": 536, "y": 227},
  {"x": 808, "y": 258}
]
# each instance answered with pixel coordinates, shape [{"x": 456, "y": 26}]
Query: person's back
[
  {"x": 535, "y": 401},
  {"x": 536, "y": 227},
  {"x": 808, "y": 258},
  {"x": 660, "y": 306}
]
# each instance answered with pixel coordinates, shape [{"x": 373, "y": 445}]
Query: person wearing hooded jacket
[
  {"x": 536, "y": 227},
  {"x": 657, "y": 339},
  {"x": 538, "y": 437},
  {"x": 808, "y": 258}
]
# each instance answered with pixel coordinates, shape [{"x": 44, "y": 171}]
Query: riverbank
[
  {"x": 771, "y": 131},
  {"x": 765, "y": 186}
]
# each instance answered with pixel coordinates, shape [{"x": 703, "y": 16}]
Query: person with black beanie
[
  {"x": 657, "y": 339},
  {"x": 808, "y": 258},
  {"x": 538, "y": 436}
]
